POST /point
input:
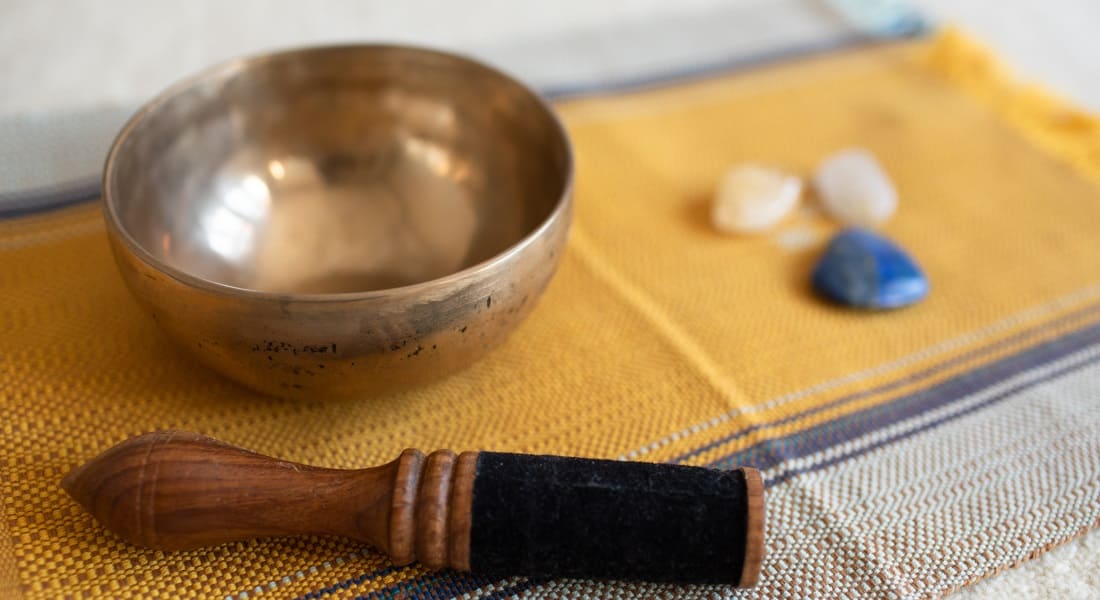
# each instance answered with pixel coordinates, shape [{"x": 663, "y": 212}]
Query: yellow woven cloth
[{"x": 657, "y": 340}]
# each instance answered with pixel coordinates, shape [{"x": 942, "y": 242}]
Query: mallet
[{"x": 487, "y": 512}]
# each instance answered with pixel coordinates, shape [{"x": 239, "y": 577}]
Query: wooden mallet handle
[{"x": 488, "y": 512}]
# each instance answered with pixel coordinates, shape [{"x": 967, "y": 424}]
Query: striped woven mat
[{"x": 906, "y": 453}]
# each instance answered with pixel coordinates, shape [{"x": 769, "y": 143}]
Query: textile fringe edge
[{"x": 1045, "y": 119}]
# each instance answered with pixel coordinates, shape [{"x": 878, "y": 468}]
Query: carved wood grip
[{"x": 175, "y": 491}]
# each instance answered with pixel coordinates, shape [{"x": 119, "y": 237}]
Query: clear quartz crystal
[
  {"x": 752, "y": 199},
  {"x": 855, "y": 189}
]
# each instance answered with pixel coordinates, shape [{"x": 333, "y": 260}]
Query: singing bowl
[{"x": 341, "y": 221}]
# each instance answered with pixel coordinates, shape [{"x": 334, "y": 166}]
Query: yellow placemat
[{"x": 906, "y": 452}]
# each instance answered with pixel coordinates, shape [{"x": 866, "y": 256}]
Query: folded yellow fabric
[{"x": 908, "y": 452}]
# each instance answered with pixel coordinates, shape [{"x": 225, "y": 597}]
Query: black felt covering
[{"x": 548, "y": 515}]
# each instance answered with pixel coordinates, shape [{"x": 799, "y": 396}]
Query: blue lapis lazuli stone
[{"x": 866, "y": 270}]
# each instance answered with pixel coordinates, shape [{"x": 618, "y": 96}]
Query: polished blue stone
[{"x": 865, "y": 270}]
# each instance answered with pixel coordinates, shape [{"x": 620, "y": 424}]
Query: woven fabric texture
[{"x": 905, "y": 453}]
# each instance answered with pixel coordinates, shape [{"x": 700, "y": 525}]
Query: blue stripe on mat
[
  {"x": 1012, "y": 392},
  {"x": 42, "y": 200},
  {"x": 436, "y": 585},
  {"x": 772, "y": 452},
  {"x": 913, "y": 378}
]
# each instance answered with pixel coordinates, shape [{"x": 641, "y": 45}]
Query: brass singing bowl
[{"x": 341, "y": 221}]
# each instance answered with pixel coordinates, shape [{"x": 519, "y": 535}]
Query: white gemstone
[
  {"x": 855, "y": 189},
  {"x": 752, "y": 199}
]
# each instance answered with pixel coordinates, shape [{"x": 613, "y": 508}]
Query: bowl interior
[{"x": 337, "y": 170}]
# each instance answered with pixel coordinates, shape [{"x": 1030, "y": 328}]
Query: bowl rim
[{"x": 228, "y": 68}]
